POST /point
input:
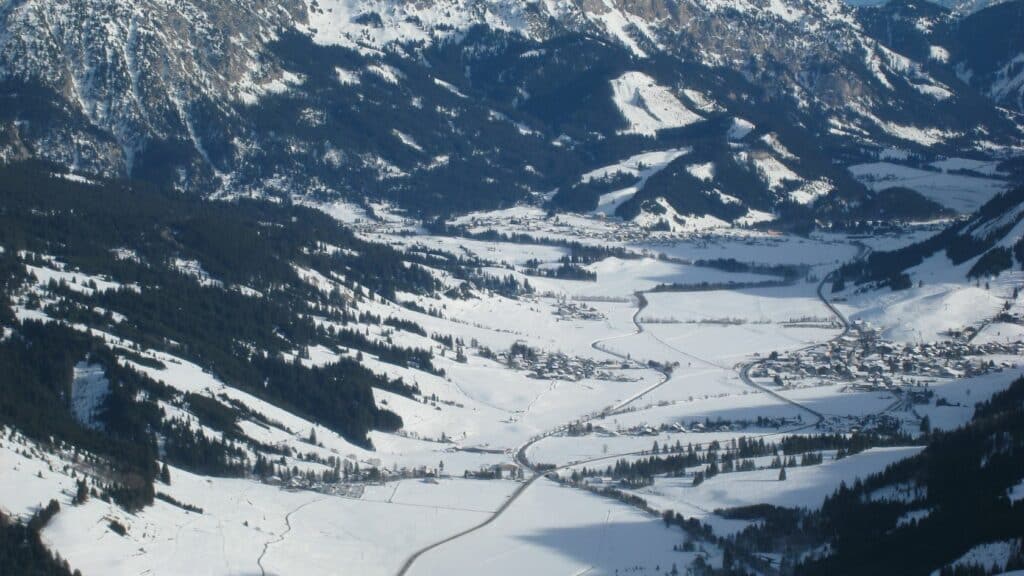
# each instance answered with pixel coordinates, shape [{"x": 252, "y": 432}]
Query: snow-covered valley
[
  {"x": 567, "y": 287},
  {"x": 504, "y": 457}
]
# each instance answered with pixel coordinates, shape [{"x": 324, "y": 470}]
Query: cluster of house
[
  {"x": 569, "y": 310},
  {"x": 540, "y": 225},
  {"x": 866, "y": 361},
  {"x": 352, "y": 484},
  {"x": 505, "y": 470},
  {"x": 544, "y": 365}
]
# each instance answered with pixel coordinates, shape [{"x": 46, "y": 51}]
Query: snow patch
[
  {"x": 647, "y": 106},
  {"x": 194, "y": 269},
  {"x": 988, "y": 555},
  {"x": 643, "y": 166},
  {"x": 704, "y": 172},
  {"x": 1016, "y": 493},
  {"x": 811, "y": 191},
  {"x": 389, "y": 74},
  {"x": 676, "y": 222},
  {"x": 956, "y": 191},
  {"x": 739, "y": 129},
  {"x": 449, "y": 87},
  {"x": 938, "y": 54},
  {"x": 773, "y": 142},
  {"x": 346, "y": 77},
  {"x": 407, "y": 140},
  {"x": 773, "y": 173}
]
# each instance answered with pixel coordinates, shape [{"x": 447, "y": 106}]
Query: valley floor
[{"x": 622, "y": 370}]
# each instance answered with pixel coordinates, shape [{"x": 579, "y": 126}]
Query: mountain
[
  {"x": 450, "y": 106},
  {"x": 983, "y": 48},
  {"x": 981, "y": 247},
  {"x": 957, "y": 8},
  {"x": 990, "y": 53},
  {"x": 966, "y": 7},
  {"x": 230, "y": 288}
]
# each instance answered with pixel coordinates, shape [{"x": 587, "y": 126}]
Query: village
[
  {"x": 867, "y": 362},
  {"x": 544, "y": 365}
]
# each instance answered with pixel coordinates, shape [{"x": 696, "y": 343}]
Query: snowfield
[
  {"x": 643, "y": 166},
  {"x": 581, "y": 533},
  {"x": 647, "y": 106},
  {"x": 804, "y": 487},
  {"x": 960, "y": 192},
  {"x": 638, "y": 366}
]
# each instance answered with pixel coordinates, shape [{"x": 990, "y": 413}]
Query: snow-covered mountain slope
[
  {"x": 235, "y": 378},
  {"x": 110, "y": 86},
  {"x": 967, "y": 7},
  {"x": 990, "y": 53},
  {"x": 978, "y": 249},
  {"x": 982, "y": 47},
  {"x": 454, "y": 105},
  {"x": 959, "y": 8}
]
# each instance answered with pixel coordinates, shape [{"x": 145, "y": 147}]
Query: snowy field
[
  {"x": 246, "y": 527},
  {"x": 804, "y": 487},
  {"x": 963, "y": 193},
  {"x": 559, "y": 530},
  {"x": 638, "y": 370}
]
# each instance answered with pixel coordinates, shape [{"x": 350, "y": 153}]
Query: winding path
[
  {"x": 521, "y": 452},
  {"x": 864, "y": 252},
  {"x": 745, "y": 370},
  {"x": 282, "y": 535},
  {"x": 638, "y": 329}
]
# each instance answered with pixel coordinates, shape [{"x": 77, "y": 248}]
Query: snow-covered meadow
[{"x": 637, "y": 366}]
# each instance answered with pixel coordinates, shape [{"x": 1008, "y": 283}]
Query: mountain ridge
[{"x": 447, "y": 107}]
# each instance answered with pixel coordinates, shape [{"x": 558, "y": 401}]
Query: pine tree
[
  {"x": 782, "y": 474},
  {"x": 165, "y": 474},
  {"x": 81, "y": 493}
]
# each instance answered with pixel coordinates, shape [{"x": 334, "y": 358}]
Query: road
[
  {"x": 521, "y": 453},
  {"x": 745, "y": 370},
  {"x": 864, "y": 252}
]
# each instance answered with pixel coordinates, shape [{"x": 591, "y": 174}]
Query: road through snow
[{"x": 521, "y": 453}]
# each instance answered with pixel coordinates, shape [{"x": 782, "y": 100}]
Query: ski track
[{"x": 283, "y": 535}]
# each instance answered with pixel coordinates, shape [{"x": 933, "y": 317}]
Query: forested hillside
[
  {"x": 993, "y": 238},
  {"x": 918, "y": 516},
  {"x": 97, "y": 272}
]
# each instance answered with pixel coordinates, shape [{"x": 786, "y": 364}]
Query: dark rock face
[{"x": 455, "y": 105}]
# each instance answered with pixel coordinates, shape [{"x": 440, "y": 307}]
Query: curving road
[
  {"x": 864, "y": 252},
  {"x": 520, "y": 453},
  {"x": 745, "y": 370},
  {"x": 638, "y": 329}
]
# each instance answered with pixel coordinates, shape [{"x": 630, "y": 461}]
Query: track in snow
[
  {"x": 283, "y": 535},
  {"x": 520, "y": 454}
]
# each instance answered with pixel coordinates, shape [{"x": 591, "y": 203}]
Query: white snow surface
[
  {"x": 988, "y": 555},
  {"x": 804, "y": 487},
  {"x": 587, "y": 534},
  {"x": 740, "y": 128},
  {"x": 959, "y": 192},
  {"x": 647, "y": 106},
  {"x": 642, "y": 166},
  {"x": 487, "y": 409}
]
